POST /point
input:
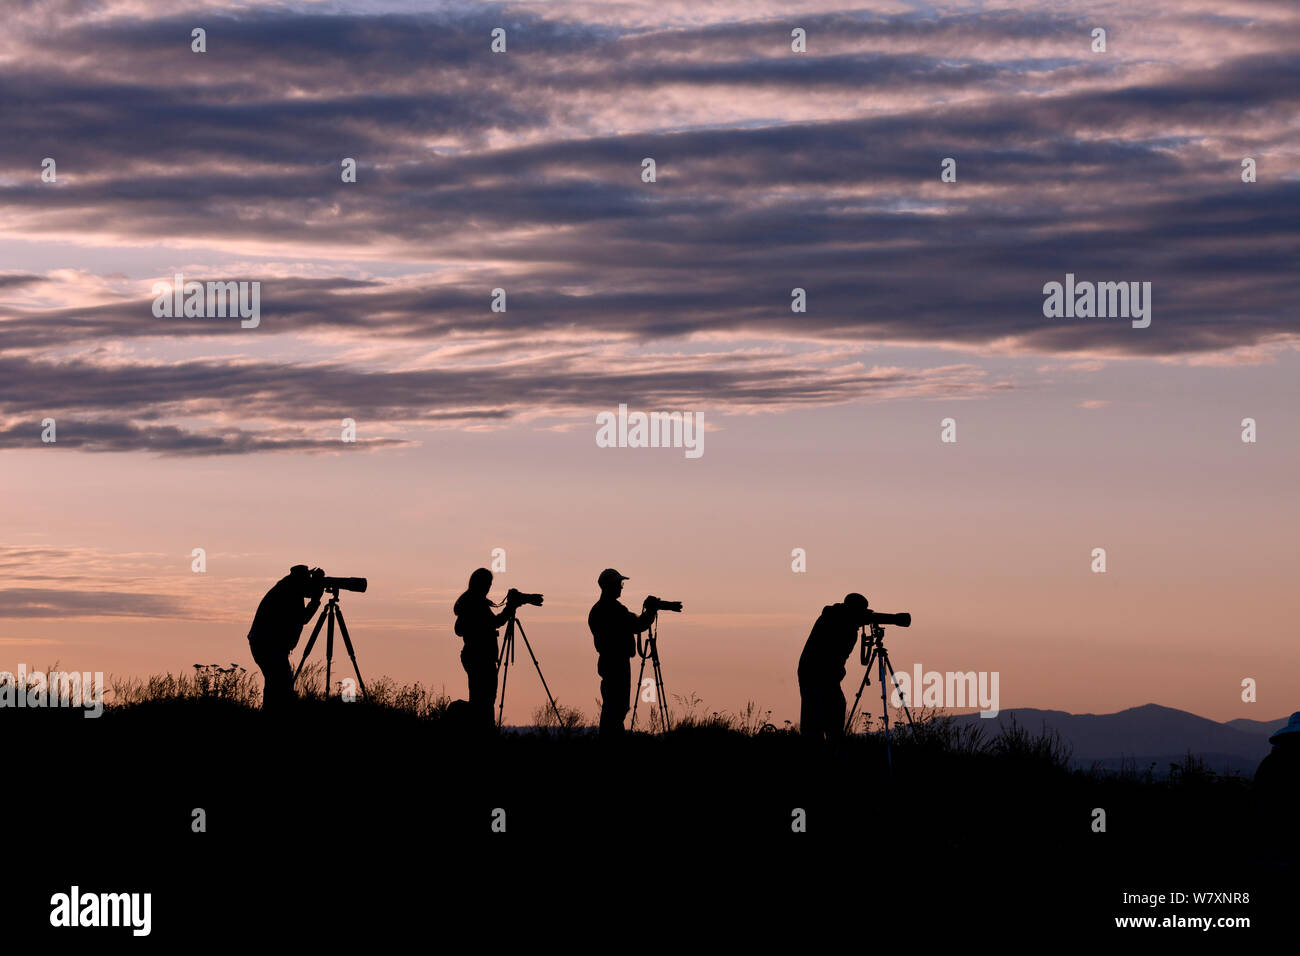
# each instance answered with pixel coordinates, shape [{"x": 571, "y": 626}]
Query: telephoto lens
[
  {"x": 902, "y": 619},
  {"x": 344, "y": 584}
]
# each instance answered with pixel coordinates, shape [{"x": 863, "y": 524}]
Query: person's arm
[
  {"x": 639, "y": 624},
  {"x": 317, "y": 589},
  {"x": 479, "y": 619},
  {"x": 295, "y": 628},
  {"x": 310, "y": 610}
]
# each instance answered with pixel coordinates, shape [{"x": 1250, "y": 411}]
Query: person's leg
[
  {"x": 602, "y": 668},
  {"x": 282, "y": 682},
  {"x": 615, "y": 693},
  {"x": 489, "y": 693},
  {"x": 836, "y": 707},
  {"x": 490, "y": 685},
  {"x": 277, "y": 679},
  {"x": 625, "y": 681},
  {"x": 290, "y": 695},
  {"x": 809, "y": 716},
  {"x": 483, "y": 693},
  {"x": 481, "y": 672},
  {"x": 467, "y": 662}
]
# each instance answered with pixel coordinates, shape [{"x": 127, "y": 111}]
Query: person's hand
[{"x": 317, "y": 587}]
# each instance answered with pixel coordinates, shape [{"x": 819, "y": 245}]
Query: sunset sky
[{"x": 775, "y": 170}]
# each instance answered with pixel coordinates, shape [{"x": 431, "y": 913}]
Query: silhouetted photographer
[
  {"x": 1277, "y": 786},
  {"x": 277, "y": 628},
  {"x": 821, "y": 665},
  {"x": 477, "y": 622},
  {"x": 614, "y": 629}
]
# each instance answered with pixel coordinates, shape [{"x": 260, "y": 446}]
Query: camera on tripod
[
  {"x": 331, "y": 614},
  {"x": 653, "y": 603},
  {"x": 647, "y": 647},
  {"x": 515, "y": 598}
]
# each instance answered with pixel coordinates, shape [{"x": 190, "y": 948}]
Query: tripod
[
  {"x": 649, "y": 650},
  {"x": 873, "y": 649},
  {"x": 331, "y": 612},
  {"x": 504, "y": 660}
]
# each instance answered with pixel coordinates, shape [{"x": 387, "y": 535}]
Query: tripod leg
[
  {"x": 315, "y": 631},
  {"x": 636, "y": 696},
  {"x": 894, "y": 678},
  {"x": 884, "y": 708},
  {"x": 347, "y": 642},
  {"x": 555, "y": 710},
  {"x": 503, "y": 666},
  {"x": 866, "y": 679},
  {"x": 329, "y": 647},
  {"x": 659, "y": 689}
]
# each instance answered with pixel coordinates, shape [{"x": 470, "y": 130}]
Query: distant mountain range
[{"x": 1146, "y": 735}]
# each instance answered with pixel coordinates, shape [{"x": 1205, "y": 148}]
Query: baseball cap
[
  {"x": 856, "y": 600},
  {"x": 610, "y": 575}
]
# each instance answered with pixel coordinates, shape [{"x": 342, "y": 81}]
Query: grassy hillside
[
  {"x": 372, "y": 788},
  {"x": 202, "y": 737}
]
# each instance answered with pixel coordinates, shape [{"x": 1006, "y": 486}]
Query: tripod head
[
  {"x": 647, "y": 642},
  {"x": 515, "y": 598},
  {"x": 873, "y": 639},
  {"x": 651, "y": 633}
]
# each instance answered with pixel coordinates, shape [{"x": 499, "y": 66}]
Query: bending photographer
[
  {"x": 821, "y": 667},
  {"x": 277, "y": 628},
  {"x": 614, "y": 629},
  {"x": 477, "y": 622}
]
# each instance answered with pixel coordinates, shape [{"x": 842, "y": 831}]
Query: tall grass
[
  {"x": 932, "y": 730},
  {"x": 571, "y": 718},
  {"x": 207, "y": 682},
  {"x": 1016, "y": 743},
  {"x": 240, "y": 686},
  {"x": 689, "y": 714}
]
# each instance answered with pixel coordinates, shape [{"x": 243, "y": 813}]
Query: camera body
[
  {"x": 653, "y": 603},
  {"x": 515, "y": 598}
]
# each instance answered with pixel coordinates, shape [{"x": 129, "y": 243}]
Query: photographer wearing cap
[
  {"x": 821, "y": 667},
  {"x": 614, "y": 629},
  {"x": 277, "y": 628},
  {"x": 477, "y": 622}
]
